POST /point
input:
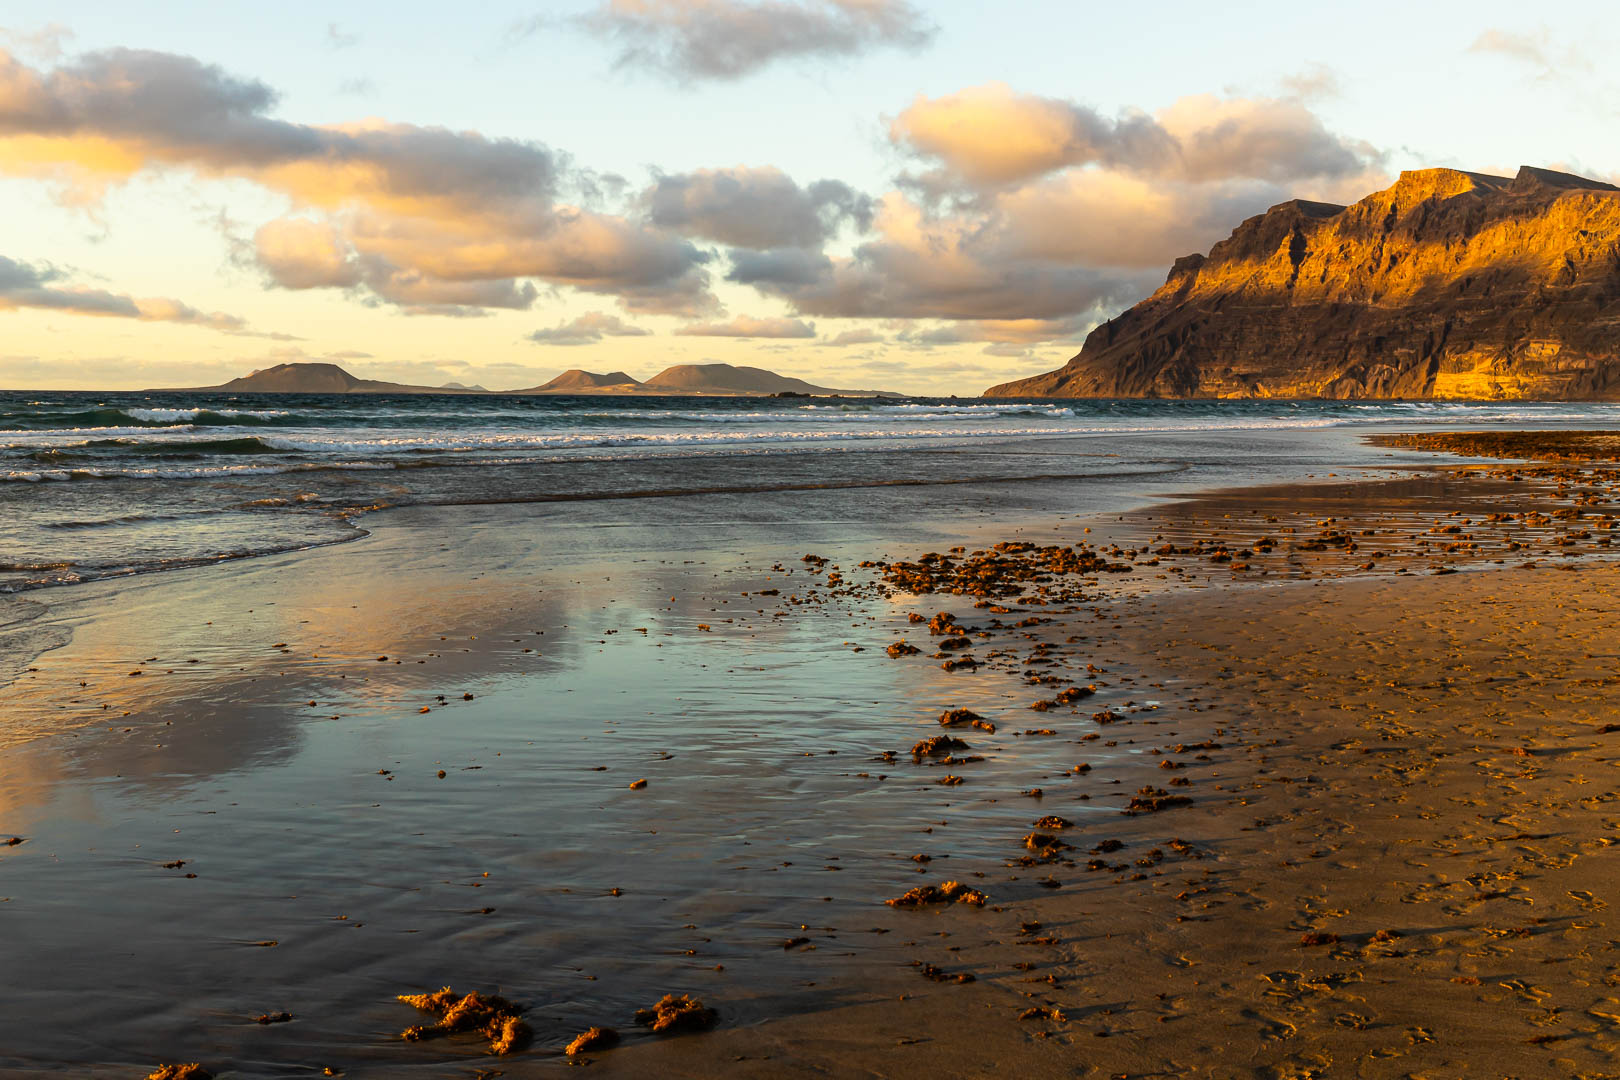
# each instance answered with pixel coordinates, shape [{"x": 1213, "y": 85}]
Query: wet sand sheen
[{"x": 751, "y": 869}]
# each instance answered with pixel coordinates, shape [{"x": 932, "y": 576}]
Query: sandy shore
[
  {"x": 1391, "y": 860},
  {"x": 1397, "y": 864}
]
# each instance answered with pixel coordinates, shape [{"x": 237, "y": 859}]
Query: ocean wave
[
  {"x": 57, "y": 455},
  {"x": 103, "y": 523},
  {"x": 127, "y": 416},
  {"x": 102, "y": 449},
  {"x": 206, "y": 414},
  {"x": 201, "y": 472}
]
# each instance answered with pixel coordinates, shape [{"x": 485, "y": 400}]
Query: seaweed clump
[
  {"x": 1150, "y": 799},
  {"x": 950, "y": 892},
  {"x": 491, "y": 1016},
  {"x": 965, "y": 718},
  {"x": 676, "y": 1013},
  {"x": 937, "y": 744},
  {"x": 597, "y": 1038}
]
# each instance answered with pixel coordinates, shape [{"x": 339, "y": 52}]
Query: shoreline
[{"x": 757, "y": 994}]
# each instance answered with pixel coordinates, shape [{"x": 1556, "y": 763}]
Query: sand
[
  {"x": 1393, "y": 860},
  {"x": 1443, "y": 834}
]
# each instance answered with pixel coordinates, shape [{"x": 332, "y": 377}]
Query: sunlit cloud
[
  {"x": 991, "y": 135},
  {"x": 412, "y": 210},
  {"x": 1042, "y": 213}
]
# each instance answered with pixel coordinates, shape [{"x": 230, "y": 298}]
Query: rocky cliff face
[{"x": 1447, "y": 285}]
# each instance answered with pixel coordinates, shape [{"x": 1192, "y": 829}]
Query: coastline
[{"x": 243, "y": 737}]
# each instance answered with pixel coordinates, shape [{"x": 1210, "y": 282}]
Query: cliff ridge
[{"x": 1448, "y": 284}]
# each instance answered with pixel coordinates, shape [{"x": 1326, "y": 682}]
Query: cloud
[
  {"x": 745, "y": 327},
  {"x": 728, "y": 39},
  {"x": 923, "y": 265},
  {"x": 1019, "y": 332},
  {"x": 1077, "y": 243},
  {"x": 1535, "y": 49},
  {"x": 436, "y": 210},
  {"x": 990, "y": 135},
  {"x": 46, "y": 43},
  {"x": 417, "y": 293},
  {"x": 300, "y": 253},
  {"x": 1117, "y": 219},
  {"x": 1258, "y": 139},
  {"x": 339, "y": 38},
  {"x": 853, "y": 337},
  {"x": 780, "y": 267},
  {"x": 754, "y": 208},
  {"x": 1314, "y": 82},
  {"x": 588, "y": 329},
  {"x": 1040, "y": 216},
  {"x": 1007, "y": 348},
  {"x": 1529, "y": 48},
  {"x": 27, "y": 285}
]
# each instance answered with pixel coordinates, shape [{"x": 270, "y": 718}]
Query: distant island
[
  {"x": 1449, "y": 284},
  {"x": 708, "y": 380},
  {"x": 692, "y": 380}
]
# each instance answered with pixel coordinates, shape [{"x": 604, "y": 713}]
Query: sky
[{"x": 869, "y": 194}]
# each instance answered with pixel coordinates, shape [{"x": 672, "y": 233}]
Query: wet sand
[{"x": 1392, "y": 861}]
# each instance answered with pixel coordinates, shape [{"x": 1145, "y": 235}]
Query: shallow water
[
  {"x": 99, "y": 485},
  {"x": 756, "y": 823}
]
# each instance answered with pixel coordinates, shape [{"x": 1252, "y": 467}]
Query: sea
[{"x": 98, "y": 485}]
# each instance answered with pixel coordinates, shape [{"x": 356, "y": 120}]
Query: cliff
[{"x": 1447, "y": 285}]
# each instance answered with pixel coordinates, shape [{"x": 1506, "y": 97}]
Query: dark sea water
[{"x": 94, "y": 485}]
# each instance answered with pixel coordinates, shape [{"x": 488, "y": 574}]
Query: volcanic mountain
[
  {"x": 577, "y": 381},
  {"x": 1448, "y": 284},
  {"x": 729, "y": 379},
  {"x": 695, "y": 380},
  {"x": 321, "y": 379}
]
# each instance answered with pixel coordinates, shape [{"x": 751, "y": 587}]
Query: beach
[{"x": 305, "y": 783}]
